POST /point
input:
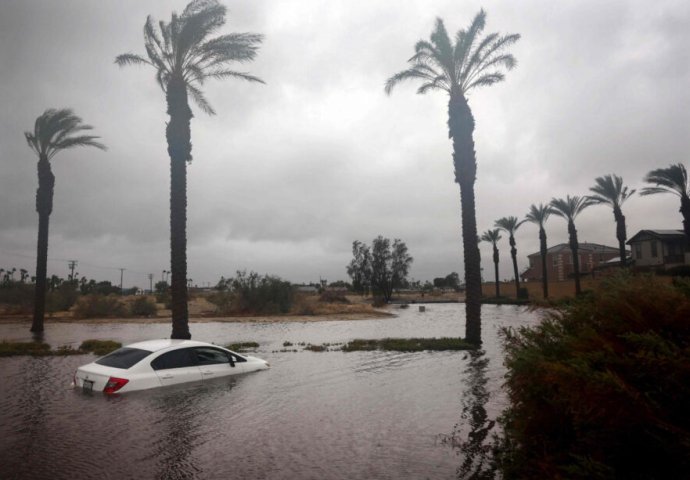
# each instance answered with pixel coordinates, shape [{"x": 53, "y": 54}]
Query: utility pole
[
  {"x": 121, "y": 274},
  {"x": 150, "y": 282},
  {"x": 71, "y": 264}
]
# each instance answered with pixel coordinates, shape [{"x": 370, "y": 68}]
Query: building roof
[
  {"x": 660, "y": 234},
  {"x": 584, "y": 247}
]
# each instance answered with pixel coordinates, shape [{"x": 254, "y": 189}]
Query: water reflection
[{"x": 471, "y": 436}]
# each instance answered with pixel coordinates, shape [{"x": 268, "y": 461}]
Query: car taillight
[{"x": 114, "y": 384}]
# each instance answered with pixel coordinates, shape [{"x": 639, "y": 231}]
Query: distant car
[{"x": 158, "y": 363}]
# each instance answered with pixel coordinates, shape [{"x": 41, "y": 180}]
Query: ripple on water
[{"x": 312, "y": 415}]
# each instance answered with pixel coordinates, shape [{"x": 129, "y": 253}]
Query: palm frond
[
  {"x": 406, "y": 75},
  {"x": 55, "y": 130},
  {"x": 538, "y": 214},
  {"x": 509, "y": 224},
  {"x": 130, "y": 59},
  {"x": 200, "y": 100},
  {"x": 673, "y": 179},
  {"x": 569, "y": 207},
  {"x": 485, "y": 81},
  {"x": 221, "y": 74},
  {"x": 491, "y": 236}
]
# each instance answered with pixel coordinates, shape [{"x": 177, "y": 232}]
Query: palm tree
[
  {"x": 457, "y": 68},
  {"x": 54, "y": 131},
  {"x": 610, "y": 190},
  {"x": 184, "y": 56},
  {"x": 673, "y": 179},
  {"x": 493, "y": 236},
  {"x": 510, "y": 226},
  {"x": 569, "y": 208},
  {"x": 539, "y": 215}
]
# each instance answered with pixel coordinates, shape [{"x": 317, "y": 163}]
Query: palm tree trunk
[
  {"x": 542, "y": 250},
  {"x": 44, "y": 207},
  {"x": 496, "y": 259},
  {"x": 460, "y": 129},
  {"x": 620, "y": 233},
  {"x": 179, "y": 148},
  {"x": 572, "y": 233},
  {"x": 513, "y": 255}
]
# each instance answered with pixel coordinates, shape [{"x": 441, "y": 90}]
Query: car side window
[
  {"x": 211, "y": 356},
  {"x": 176, "y": 359},
  {"x": 237, "y": 358}
]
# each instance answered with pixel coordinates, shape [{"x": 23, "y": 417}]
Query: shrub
[
  {"x": 143, "y": 307},
  {"x": 19, "y": 297},
  {"x": 600, "y": 388},
  {"x": 99, "y": 306},
  {"x": 678, "y": 271},
  {"x": 330, "y": 296},
  {"x": 62, "y": 298},
  {"x": 253, "y": 294}
]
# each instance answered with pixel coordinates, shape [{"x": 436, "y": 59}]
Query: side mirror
[{"x": 232, "y": 361}]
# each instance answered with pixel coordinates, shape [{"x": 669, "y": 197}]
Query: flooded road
[{"x": 329, "y": 415}]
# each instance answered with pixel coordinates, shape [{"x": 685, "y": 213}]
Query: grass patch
[
  {"x": 408, "y": 344},
  {"x": 9, "y": 349},
  {"x": 242, "y": 346},
  {"x": 98, "y": 347},
  {"x": 316, "y": 348}
]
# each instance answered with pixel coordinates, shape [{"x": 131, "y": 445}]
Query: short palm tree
[
  {"x": 539, "y": 215},
  {"x": 457, "y": 68},
  {"x": 184, "y": 56},
  {"x": 673, "y": 179},
  {"x": 54, "y": 131},
  {"x": 609, "y": 190},
  {"x": 569, "y": 208},
  {"x": 510, "y": 226},
  {"x": 493, "y": 236}
]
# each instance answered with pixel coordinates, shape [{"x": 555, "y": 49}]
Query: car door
[
  {"x": 177, "y": 366},
  {"x": 214, "y": 363}
]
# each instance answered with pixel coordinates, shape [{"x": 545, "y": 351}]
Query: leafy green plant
[{"x": 600, "y": 388}]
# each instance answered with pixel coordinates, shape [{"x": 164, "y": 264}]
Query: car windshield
[{"x": 123, "y": 357}]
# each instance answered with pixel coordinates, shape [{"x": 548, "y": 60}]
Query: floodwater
[{"x": 329, "y": 415}]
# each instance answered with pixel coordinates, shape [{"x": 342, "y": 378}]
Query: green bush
[
  {"x": 601, "y": 388},
  {"x": 143, "y": 307},
  {"x": 99, "y": 306},
  {"x": 408, "y": 344},
  {"x": 8, "y": 349},
  {"x": 252, "y": 294},
  {"x": 242, "y": 346}
]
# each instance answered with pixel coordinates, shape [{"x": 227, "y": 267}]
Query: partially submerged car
[{"x": 158, "y": 363}]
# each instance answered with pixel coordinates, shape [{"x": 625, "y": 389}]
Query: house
[
  {"x": 659, "y": 249},
  {"x": 559, "y": 261}
]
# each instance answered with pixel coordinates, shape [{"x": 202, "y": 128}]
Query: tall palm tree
[
  {"x": 569, "y": 208},
  {"x": 510, "y": 226},
  {"x": 673, "y": 179},
  {"x": 493, "y": 236},
  {"x": 184, "y": 56},
  {"x": 610, "y": 190},
  {"x": 539, "y": 215},
  {"x": 457, "y": 68},
  {"x": 54, "y": 131}
]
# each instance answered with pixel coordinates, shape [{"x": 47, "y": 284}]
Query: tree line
[{"x": 608, "y": 190}]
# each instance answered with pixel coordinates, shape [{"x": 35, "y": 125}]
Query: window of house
[
  {"x": 655, "y": 253},
  {"x": 638, "y": 250}
]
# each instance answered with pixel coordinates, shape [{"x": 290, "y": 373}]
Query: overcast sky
[{"x": 288, "y": 174}]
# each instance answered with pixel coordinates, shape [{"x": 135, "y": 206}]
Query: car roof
[{"x": 160, "y": 344}]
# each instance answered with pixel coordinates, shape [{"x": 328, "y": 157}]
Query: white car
[{"x": 158, "y": 363}]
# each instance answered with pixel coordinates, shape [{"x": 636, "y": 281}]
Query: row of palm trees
[
  {"x": 608, "y": 190},
  {"x": 183, "y": 56}
]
